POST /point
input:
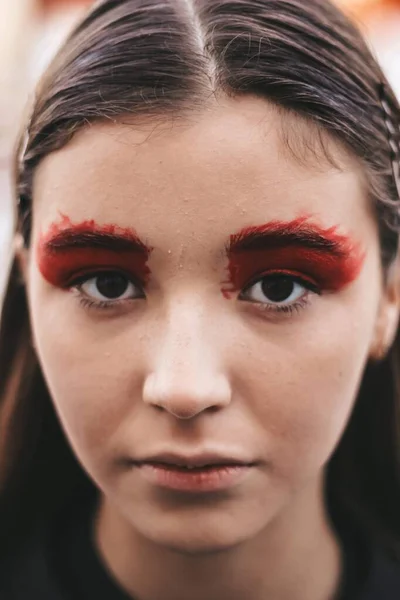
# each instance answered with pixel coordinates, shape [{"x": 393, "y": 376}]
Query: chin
[
  {"x": 198, "y": 534},
  {"x": 198, "y": 542}
]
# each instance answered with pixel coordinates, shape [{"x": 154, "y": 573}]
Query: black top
[{"x": 61, "y": 563}]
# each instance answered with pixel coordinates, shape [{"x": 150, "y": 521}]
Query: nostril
[{"x": 213, "y": 409}]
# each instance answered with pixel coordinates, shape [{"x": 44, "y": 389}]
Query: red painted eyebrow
[
  {"x": 69, "y": 249},
  {"x": 107, "y": 237},
  {"x": 298, "y": 232},
  {"x": 331, "y": 260}
]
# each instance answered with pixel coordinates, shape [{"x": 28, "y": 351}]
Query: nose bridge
[
  {"x": 187, "y": 374},
  {"x": 186, "y": 336}
]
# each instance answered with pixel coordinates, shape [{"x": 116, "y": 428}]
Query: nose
[{"x": 186, "y": 378}]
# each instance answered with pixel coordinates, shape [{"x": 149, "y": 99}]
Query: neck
[{"x": 296, "y": 557}]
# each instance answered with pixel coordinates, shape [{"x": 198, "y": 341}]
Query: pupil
[
  {"x": 111, "y": 285},
  {"x": 278, "y": 289}
]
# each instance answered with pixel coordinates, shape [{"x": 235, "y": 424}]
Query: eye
[
  {"x": 277, "y": 290},
  {"x": 110, "y": 286}
]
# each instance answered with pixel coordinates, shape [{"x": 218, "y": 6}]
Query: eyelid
[
  {"x": 79, "y": 279},
  {"x": 301, "y": 278},
  {"x": 90, "y": 302}
]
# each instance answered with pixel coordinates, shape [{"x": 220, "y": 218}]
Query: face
[{"x": 197, "y": 293}]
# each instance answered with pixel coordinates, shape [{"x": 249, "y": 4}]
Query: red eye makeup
[
  {"x": 299, "y": 248},
  {"x": 69, "y": 251},
  {"x": 325, "y": 258}
]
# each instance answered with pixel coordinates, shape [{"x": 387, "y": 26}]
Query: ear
[{"x": 388, "y": 314}]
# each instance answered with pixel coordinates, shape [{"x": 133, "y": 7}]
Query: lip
[
  {"x": 195, "y": 473},
  {"x": 201, "y": 459}
]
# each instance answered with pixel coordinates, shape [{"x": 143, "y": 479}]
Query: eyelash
[
  {"x": 99, "y": 305},
  {"x": 288, "y": 310},
  {"x": 89, "y": 304}
]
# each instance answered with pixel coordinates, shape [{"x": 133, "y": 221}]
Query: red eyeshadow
[
  {"x": 328, "y": 259},
  {"x": 68, "y": 251}
]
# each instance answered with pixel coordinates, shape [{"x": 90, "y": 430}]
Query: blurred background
[{"x": 31, "y": 30}]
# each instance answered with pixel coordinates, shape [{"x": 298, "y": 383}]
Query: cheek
[
  {"x": 93, "y": 372},
  {"x": 303, "y": 384}
]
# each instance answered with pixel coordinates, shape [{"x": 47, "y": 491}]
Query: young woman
[{"x": 199, "y": 355}]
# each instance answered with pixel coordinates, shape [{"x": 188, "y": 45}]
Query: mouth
[
  {"x": 191, "y": 468},
  {"x": 201, "y": 473},
  {"x": 193, "y": 462}
]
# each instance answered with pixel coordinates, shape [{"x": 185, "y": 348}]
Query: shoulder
[
  {"x": 33, "y": 571},
  {"x": 25, "y": 574},
  {"x": 384, "y": 580}
]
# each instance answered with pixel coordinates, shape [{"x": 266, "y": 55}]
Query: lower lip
[{"x": 207, "y": 480}]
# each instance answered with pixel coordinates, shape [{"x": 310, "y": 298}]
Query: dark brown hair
[{"x": 164, "y": 58}]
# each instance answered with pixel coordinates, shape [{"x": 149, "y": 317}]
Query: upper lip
[{"x": 193, "y": 460}]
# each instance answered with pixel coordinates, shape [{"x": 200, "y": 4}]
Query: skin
[{"x": 186, "y": 368}]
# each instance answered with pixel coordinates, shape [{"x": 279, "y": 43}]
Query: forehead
[{"x": 201, "y": 177}]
